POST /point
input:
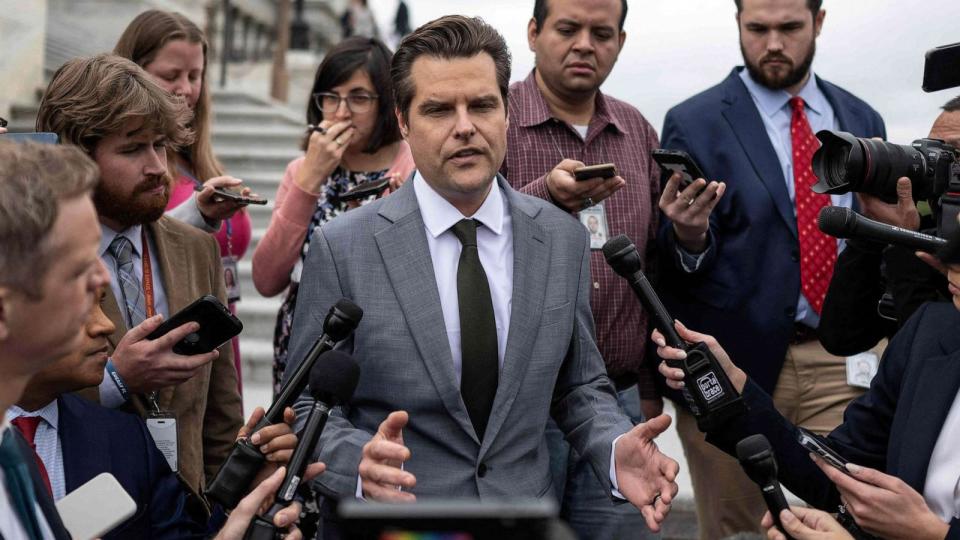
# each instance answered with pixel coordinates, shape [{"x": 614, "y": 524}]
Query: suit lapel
[
  {"x": 83, "y": 453},
  {"x": 531, "y": 263},
  {"x": 937, "y": 386},
  {"x": 406, "y": 257},
  {"x": 741, "y": 114},
  {"x": 173, "y": 263}
]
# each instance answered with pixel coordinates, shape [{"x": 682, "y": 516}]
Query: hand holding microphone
[
  {"x": 758, "y": 461},
  {"x": 245, "y": 461}
]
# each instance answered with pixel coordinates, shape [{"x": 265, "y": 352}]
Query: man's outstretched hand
[{"x": 646, "y": 476}]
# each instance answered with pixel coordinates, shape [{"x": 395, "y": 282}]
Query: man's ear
[
  {"x": 818, "y": 22},
  {"x": 532, "y": 32},
  {"x": 404, "y": 129}
]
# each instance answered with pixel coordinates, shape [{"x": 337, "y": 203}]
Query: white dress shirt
[
  {"x": 10, "y": 526},
  {"x": 47, "y": 441},
  {"x": 495, "y": 244},
  {"x": 109, "y": 393},
  {"x": 941, "y": 489}
]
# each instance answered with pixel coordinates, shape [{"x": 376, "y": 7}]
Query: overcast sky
[{"x": 676, "y": 48}]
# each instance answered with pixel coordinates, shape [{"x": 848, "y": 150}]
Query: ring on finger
[
  {"x": 338, "y": 141},
  {"x": 689, "y": 200},
  {"x": 588, "y": 202}
]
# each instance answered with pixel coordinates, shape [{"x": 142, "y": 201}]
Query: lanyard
[{"x": 148, "y": 298}]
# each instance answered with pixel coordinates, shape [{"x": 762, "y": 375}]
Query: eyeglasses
[{"x": 329, "y": 102}]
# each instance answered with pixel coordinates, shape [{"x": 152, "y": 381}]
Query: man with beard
[
  {"x": 113, "y": 110},
  {"x": 754, "y": 271}
]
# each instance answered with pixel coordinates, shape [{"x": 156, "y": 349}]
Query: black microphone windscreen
[
  {"x": 334, "y": 377},
  {"x": 615, "y": 245},
  {"x": 349, "y": 309},
  {"x": 756, "y": 457},
  {"x": 342, "y": 319},
  {"x": 835, "y": 221},
  {"x": 622, "y": 255}
]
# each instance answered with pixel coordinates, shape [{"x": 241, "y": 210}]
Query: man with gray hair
[
  {"x": 49, "y": 273},
  {"x": 477, "y": 324}
]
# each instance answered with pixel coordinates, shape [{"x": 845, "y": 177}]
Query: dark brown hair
[
  {"x": 540, "y": 13},
  {"x": 453, "y": 36},
  {"x": 340, "y": 63},
  {"x": 813, "y": 5},
  {"x": 141, "y": 41}
]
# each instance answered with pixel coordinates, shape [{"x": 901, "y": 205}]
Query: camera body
[{"x": 845, "y": 163}]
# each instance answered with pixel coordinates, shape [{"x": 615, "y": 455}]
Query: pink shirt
[
  {"x": 278, "y": 251},
  {"x": 240, "y": 228}
]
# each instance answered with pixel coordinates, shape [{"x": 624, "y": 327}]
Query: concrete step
[
  {"x": 253, "y": 115},
  {"x": 257, "y": 361},
  {"x": 258, "y": 315},
  {"x": 260, "y": 214},
  {"x": 240, "y": 158},
  {"x": 279, "y": 136},
  {"x": 235, "y": 97}
]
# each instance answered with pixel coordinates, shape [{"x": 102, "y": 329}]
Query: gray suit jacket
[{"x": 378, "y": 257}]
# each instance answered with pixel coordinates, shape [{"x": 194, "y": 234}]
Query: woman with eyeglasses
[{"x": 353, "y": 137}]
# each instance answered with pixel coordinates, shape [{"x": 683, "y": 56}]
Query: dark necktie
[
  {"x": 28, "y": 428},
  {"x": 16, "y": 480},
  {"x": 478, "y": 330},
  {"x": 818, "y": 252}
]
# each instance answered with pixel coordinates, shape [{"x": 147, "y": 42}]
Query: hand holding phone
[
  {"x": 818, "y": 445},
  {"x": 217, "y": 326},
  {"x": 678, "y": 161},
  {"x": 603, "y": 170}
]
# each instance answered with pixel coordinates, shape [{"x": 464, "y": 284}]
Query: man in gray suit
[{"x": 477, "y": 322}]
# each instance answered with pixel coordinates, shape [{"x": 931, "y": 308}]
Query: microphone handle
[
  {"x": 295, "y": 385},
  {"x": 302, "y": 454},
  {"x": 651, "y": 302},
  {"x": 868, "y": 228},
  {"x": 776, "y": 502}
]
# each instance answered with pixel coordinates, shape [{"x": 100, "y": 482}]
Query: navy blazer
[
  {"x": 892, "y": 428},
  {"x": 746, "y": 289},
  {"x": 95, "y": 440}
]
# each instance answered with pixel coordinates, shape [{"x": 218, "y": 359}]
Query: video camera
[{"x": 845, "y": 163}]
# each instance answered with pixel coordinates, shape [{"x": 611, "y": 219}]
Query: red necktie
[
  {"x": 818, "y": 252},
  {"x": 28, "y": 427}
]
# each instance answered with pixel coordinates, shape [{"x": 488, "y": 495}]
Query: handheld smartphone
[
  {"x": 3, "y": 122},
  {"x": 603, "y": 170},
  {"x": 364, "y": 190},
  {"x": 217, "y": 326},
  {"x": 233, "y": 196},
  {"x": 816, "y": 444},
  {"x": 95, "y": 508},
  {"x": 672, "y": 161},
  {"x": 940, "y": 68},
  {"x": 41, "y": 137}
]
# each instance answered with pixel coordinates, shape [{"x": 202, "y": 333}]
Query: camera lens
[{"x": 845, "y": 163}]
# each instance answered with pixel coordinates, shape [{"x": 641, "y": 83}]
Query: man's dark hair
[
  {"x": 341, "y": 62},
  {"x": 813, "y": 5},
  {"x": 953, "y": 105},
  {"x": 453, "y": 36},
  {"x": 540, "y": 12}
]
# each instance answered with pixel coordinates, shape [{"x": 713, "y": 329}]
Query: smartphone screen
[
  {"x": 940, "y": 69},
  {"x": 818, "y": 446}
]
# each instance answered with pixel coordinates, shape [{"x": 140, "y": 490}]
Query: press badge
[
  {"x": 595, "y": 220},
  {"x": 163, "y": 429},
  {"x": 861, "y": 368},
  {"x": 231, "y": 278}
]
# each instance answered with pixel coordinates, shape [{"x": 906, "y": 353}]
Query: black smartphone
[
  {"x": 3, "y": 122},
  {"x": 232, "y": 195},
  {"x": 818, "y": 445},
  {"x": 366, "y": 189},
  {"x": 41, "y": 137},
  {"x": 941, "y": 68},
  {"x": 603, "y": 170},
  {"x": 217, "y": 326},
  {"x": 672, "y": 161}
]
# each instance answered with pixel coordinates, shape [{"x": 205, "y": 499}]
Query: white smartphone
[{"x": 95, "y": 508}]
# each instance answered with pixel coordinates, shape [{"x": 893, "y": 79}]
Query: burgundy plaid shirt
[{"x": 619, "y": 134}]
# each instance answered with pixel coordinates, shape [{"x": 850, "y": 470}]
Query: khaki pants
[{"x": 812, "y": 392}]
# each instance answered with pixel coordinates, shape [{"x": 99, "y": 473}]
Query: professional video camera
[{"x": 845, "y": 163}]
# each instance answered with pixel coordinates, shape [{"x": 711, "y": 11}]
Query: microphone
[
  {"x": 757, "y": 459},
  {"x": 708, "y": 393},
  {"x": 332, "y": 382},
  {"x": 233, "y": 480},
  {"x": 845, "y": 223}
]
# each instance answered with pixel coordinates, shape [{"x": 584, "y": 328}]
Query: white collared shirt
[
  {"x": 110, "y": 395},
  {"x": 495, "y": 245},
  {"x": 941, "y": 489},
  {"x": 47, "y": 441}
]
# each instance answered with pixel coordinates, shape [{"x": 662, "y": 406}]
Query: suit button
[
  {"x": 482, "y": 470},
  {"x": 791, "y": 312},
  {"x": 795, "y": 256}
]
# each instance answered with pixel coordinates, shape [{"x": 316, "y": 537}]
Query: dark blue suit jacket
[
  {"x": 892, "y": 428},
  {"x": 44, "y": 500},
  {"x": 745, "y": 291},
  {"x": 95, "y": 440}
]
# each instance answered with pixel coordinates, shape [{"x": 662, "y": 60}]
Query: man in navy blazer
[
  {"x": 734, "y": 247},
  {"x": 93, "y": 439}
]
